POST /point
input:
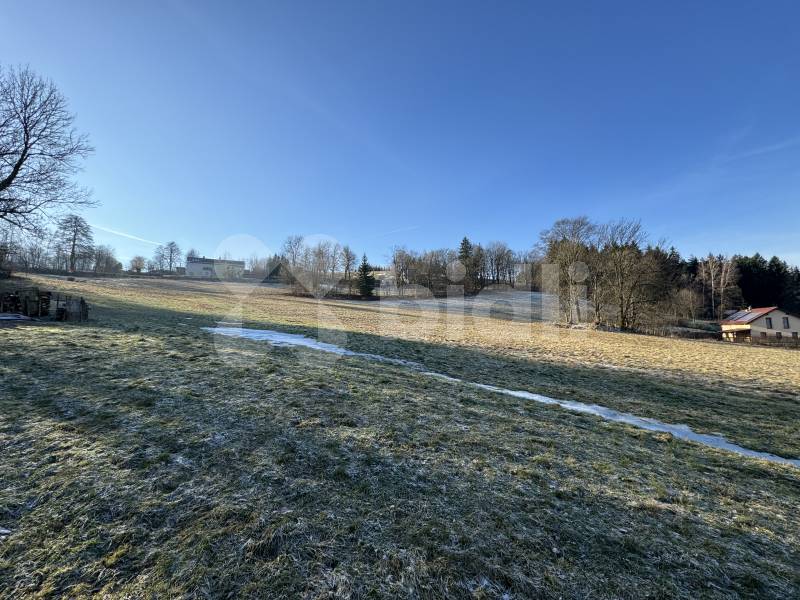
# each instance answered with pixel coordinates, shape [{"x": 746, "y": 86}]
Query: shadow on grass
[
  {"x": 763, "y": 421},
  {"x": 222, "y": 472}
]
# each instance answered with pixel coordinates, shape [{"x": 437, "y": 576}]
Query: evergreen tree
[
  {"x": 791, "y": 296},
  {"x": 466, "y": 256},
  {"x": 465, "y": 251},
  {"x": 366, "y": 280},
  {"x": 765, "y": 283}
]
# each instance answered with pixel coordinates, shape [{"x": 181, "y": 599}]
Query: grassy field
[{"x": 142, "y": 456}]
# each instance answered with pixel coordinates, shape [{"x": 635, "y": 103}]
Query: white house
[
  {"x": 769, "y": 324},
  {"x": 213, "y": 268}
]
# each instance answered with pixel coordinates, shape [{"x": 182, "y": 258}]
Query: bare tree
[
  {"x": 257, "y": 265},
  {"x": 159, "y": 259},
  {"x": 75, "y": 237},
  {"x": 31, "y": 248},
  {"x": 623, "y": 241},
  {"x": 566, "y": 245},
  {"x": 500, "y": 262},
  {"x": 348, "y": 263},
  {"x": 727, "y": 280},
  {"x": 719, "y": 274},
  {"x": 137, "y": 264},
  {"x": 335, "y": 260},
  {"x": 688, "y": 303},
  {"x": 293, "y": 249},
  {"x": 105, "y": 260},
  {"x": 40, "y": 151},
  {"x": 598, "y": 273},
  {"x": 401, "y": 267},
  {"x": 172, "y": 256},
  {"x": 192, "y": 253},
  {"x": 6, "y": 247}
]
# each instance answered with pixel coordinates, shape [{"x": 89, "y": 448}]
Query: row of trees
[
  {"x": 768, "y": 282},
  {"x": 633, "y": 283},
  {"x": 608, "y": 273},
  {"x": 68, "y": 247},
  {"x": 166, "y": 259},
  {"x": 317, "y": 266},
  {"x": 627, "y": 281},
  {"x": 471, "y": 265}
]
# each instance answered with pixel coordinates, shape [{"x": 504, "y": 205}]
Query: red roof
[{"x": 743, "y": 317}]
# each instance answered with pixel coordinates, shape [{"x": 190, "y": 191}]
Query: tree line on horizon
[
  {"x": 611, "y": 271},
  {"x": 69, "y": 247},
  {"x": 605, "y": 273},
  {"x": 609, "y": 274}
]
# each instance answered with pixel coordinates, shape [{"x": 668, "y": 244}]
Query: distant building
[
  {"x": 754, "y": 324},
  {"x": 213, "y": 268}
]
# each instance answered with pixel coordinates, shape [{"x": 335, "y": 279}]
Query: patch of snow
[
  {"x": 684, "y": 432},
  {"x": 680, "y": 431},
  {"x": 278, "y": 338}
]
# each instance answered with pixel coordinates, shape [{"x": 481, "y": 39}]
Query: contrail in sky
[{"x": 125, "y": 235}]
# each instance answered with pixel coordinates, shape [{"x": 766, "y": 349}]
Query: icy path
[{"x": 684, "y": 432}]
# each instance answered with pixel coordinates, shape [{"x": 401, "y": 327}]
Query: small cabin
[{"x": 767, "y": 324}]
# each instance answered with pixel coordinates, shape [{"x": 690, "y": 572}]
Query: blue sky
[{"x": 419, "y": 122}]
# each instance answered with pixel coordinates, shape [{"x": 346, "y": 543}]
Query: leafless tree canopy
[
  {"x": 172, "y": 254},
  {"x": 718, "y": 274},
  {"x": 166, "y": 257},
  {"x": 293, "y": 249},
  {"x": 75, "y": 239},
  {"x": 138, "y": 263},
  {"x": 566, "y": 244},
  {"x": 40, "y": 151}
]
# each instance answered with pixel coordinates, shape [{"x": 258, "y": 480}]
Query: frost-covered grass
[
  {"x": 749, "y": 394},
  {"x": 142, "y": 456}
]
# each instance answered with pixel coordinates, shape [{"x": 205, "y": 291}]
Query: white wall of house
[
  {"x": 760, "y": 327},
  {"x": 199, "y": 269},
  {"x": 211, "y": 268}
]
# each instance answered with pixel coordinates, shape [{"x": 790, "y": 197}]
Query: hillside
[{"x": 143, "y": 455}]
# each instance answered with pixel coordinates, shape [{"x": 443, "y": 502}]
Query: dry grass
[
  {"x": 142, "y": 457},
  {"x": 749, "y": 394}
]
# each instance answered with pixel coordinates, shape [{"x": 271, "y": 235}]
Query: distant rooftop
[
  {"x": 743, "y": 317},
  {"x": 214, "y": 261}
]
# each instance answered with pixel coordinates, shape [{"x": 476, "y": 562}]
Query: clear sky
[{"x": 416, "y": 123}]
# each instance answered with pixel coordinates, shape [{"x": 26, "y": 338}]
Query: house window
[
  {"x": 778, "y": 335},
  {"x": 763, "y": 334},
  {"x": 786, "y": 322},
  {"x": 769, "y": 322},
  {"x": 794, "y": 334}
]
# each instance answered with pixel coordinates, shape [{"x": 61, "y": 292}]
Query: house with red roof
[{"x": 768, "y": 324}]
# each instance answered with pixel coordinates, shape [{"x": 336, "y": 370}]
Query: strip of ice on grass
[
  {"x": 684, "y": 432},
  {"x": 278, "y": 338}
]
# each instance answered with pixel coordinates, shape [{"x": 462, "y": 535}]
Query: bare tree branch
[{"x": 40, "y": 151}]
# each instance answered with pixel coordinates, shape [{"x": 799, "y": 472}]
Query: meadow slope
[{"x": 143, "y": 456}]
